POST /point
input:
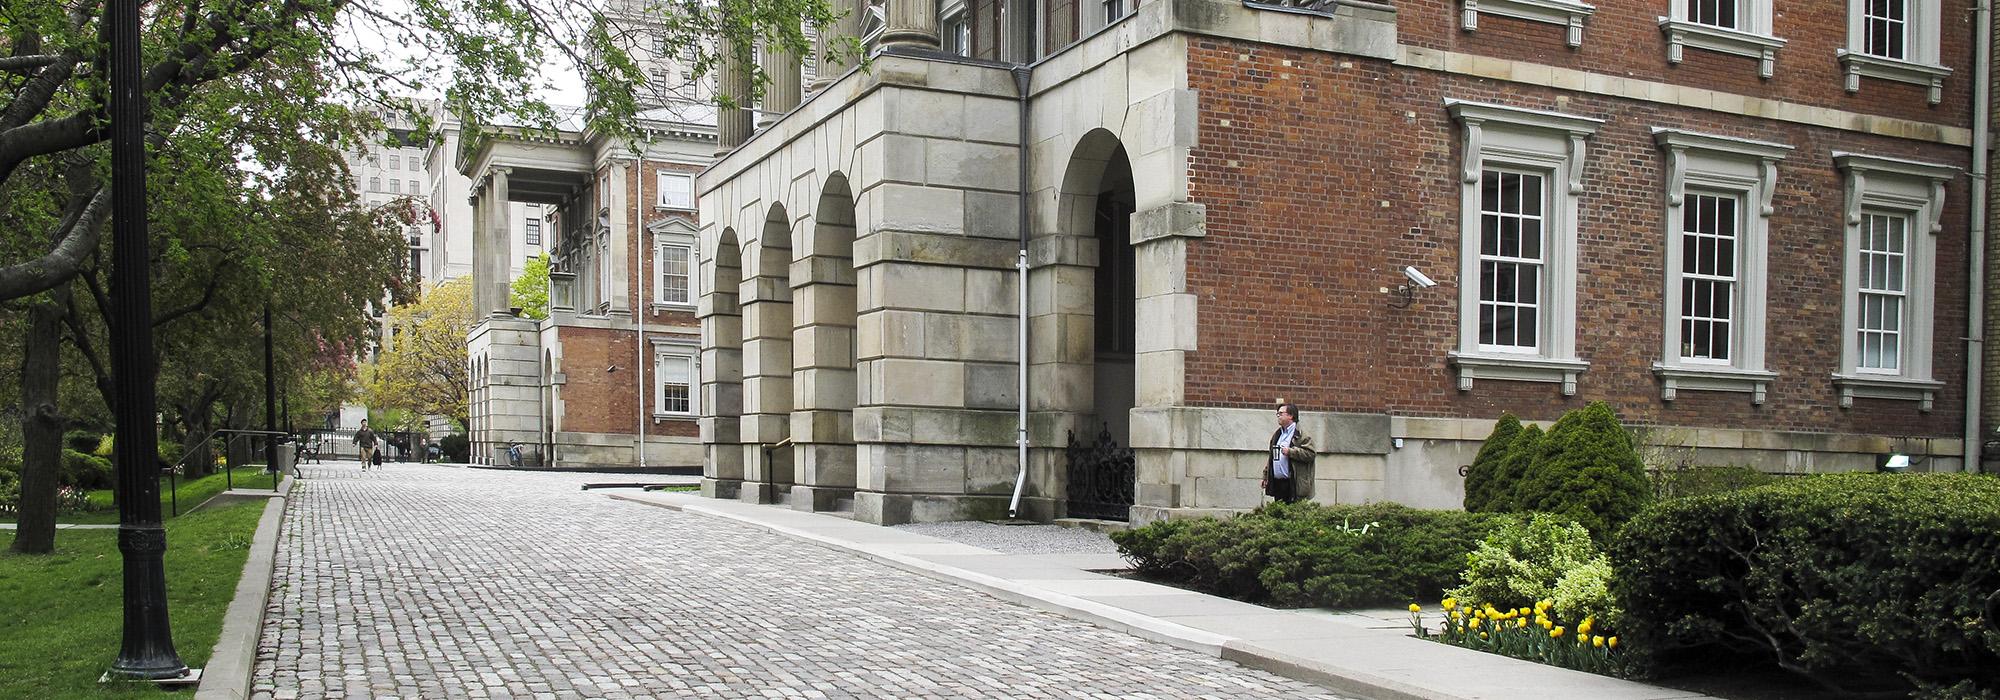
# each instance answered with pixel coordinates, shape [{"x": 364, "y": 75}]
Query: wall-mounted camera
[{"x": 1406, "y": 293}]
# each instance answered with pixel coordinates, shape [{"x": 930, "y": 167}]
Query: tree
[
  {"x": 1588, "y": 471},
  {"x": 531, "y": 290},
  {"x": 1480, "y": 481},
  {"x": 1510, "y": 467},
  {"x": 424, "y": 369}
]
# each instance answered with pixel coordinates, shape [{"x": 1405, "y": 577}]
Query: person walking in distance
[
  {"x": 366, "y": 439},
  {"x": 1290, "y": 449}
]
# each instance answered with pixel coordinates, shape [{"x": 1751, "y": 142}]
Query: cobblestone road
[{"x": 434, "y": 582}]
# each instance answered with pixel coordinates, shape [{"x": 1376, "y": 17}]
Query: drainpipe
[
  {"x": 1975, "y": 324},
  {"x": 1021, "y": 75},
  {"x": 639, "y": 244}
]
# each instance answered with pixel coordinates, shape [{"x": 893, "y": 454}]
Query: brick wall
[
  {"x": 1324, "y": 177},
  {"x": 1623, "y": 38}
]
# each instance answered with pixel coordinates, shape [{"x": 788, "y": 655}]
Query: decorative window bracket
[
  {"x": 1568, "y": 14},
  {"x": 1682, "y": 34},
  {"x": 1856, "y": 65}
]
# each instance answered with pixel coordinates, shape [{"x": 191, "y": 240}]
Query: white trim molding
[
  {"x": 1568, "y": 14},
  {"x": 1533, "y": 145},
  {"x": 1743, "y": 175},
  {"x": 1911, "y": 54},
  {"x": 1751, "y": 37},
  {"x": 1891, "y": 190}
]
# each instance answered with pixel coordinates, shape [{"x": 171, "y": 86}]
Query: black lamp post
[{"x": 147, "y": 652}]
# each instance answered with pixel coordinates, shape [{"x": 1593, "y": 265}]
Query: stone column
[
  {"x": 823, "y": 384},
  {"x": 848, "y": 25},
  {"x": 483, "y": 278},
  {"x": 767, "y": 387},
  {"x": 497, "y": 250},
  {"x": 733, "y": 124},
  {"x": 721, "y": 388},
  {"x": 912, "y": 23},
  {"x": 619, "y": 201},
  {"x": 782, "y": 94}
]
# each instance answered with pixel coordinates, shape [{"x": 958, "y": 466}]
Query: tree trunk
[{"x": 41, "y": 430}]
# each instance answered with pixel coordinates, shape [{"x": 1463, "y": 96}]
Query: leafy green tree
[
  {"x": 531, "y": 290},
  {"x": 424, "y": 368},
  {"x": 1479, "y": 479},
  {"x": 1588, "y": 471}
]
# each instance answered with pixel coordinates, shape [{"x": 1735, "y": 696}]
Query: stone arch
[
  {"x": 765, "y": 297},
  {"x": 722, "y": 367},
  {"x": 823, "y": 351}
]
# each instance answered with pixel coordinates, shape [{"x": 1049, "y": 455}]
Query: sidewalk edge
[{"x": 234, "y": 659}]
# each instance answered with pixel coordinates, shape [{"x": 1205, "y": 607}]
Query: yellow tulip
[
  {"x": 1523, "y": 622},
  {"x": 1475, "y": 623},
  {"x": 1482, "y": 635},
  {"x": 1557, "y": 632},
  {"x": 1613, "y": 642},
  {"x": 1449, "y": 603},
  {"x": 1546, "y": 623},
  {"x": 1585, "y": 627},
  {"x": 1524, "y": 611},
  {"x": 1416, "y": 608},
  {"x": 1597, "y": 641}
]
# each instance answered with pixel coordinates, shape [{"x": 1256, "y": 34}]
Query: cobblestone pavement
[{"x": 422, "y": 581}]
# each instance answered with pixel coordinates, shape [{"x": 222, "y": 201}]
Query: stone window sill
[
  {"x": 1852, "y": 386},
  {"x": 1676, "y": 378},
  {"x": 1561, "y": 12},
  {"x": 664, "y": 417},
  {"x": 1682, "y": 34},
  {"x": 1516, "y": 368},
  {"x": 1857, "y": 65}
]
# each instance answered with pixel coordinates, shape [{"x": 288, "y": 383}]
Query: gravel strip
[{"x": 1017, "y": 539}]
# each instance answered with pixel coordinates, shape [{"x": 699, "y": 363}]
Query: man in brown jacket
[{"x": 1290, "y": 449}]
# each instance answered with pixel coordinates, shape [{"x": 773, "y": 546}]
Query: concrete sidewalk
[{"x": 1366, "y": 654}]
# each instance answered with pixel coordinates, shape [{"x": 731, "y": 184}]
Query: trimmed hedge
[
  {"x": 1511, "y": 467},
  {"x": 1481, "y": 479},
  {"x": 1306, "y": 554},
  {"x": 1840, "y": 578},
  {"x": 87, "y": 472},
  {"x": 1587, "y": 470},
  {"x": 1705, "y": 480}
]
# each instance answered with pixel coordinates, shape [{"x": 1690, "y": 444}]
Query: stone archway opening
[
  {"x": 824, "y": 353},
  {"x": 722, "y": 369},
  {"x": 765, "y": 297}
]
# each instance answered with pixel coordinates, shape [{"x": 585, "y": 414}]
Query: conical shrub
[
  {"x": 1479, "y": 478},
  {"x": 1511, "y": 467},
  {"x": 1587, "y": 470}
]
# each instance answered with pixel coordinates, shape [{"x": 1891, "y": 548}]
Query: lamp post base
[{"x": 190, "y": 678}]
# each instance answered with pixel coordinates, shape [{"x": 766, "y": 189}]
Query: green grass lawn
[
  {"x": 63, "y": 616},
  {"x": 191, "y": 493}
]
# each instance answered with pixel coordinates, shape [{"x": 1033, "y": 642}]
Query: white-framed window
[
  {"x": 1894, "y": 40},
  {"x": 1718, "y": 208},
  {"x": 413, "y": 164},
  {"x": 533, "y": 229},
  {"x": 1520, "y": 177},
  {"x": 1113, "y": 10},
  {"x": 374, "y": 184},
  {"x": 1736, "y": 27},
  {"x": 957, "y": 31},
  {"x": 676, "y": 191},
  {"x": 395, "y": 163},
  {"x": 1892, "y": 216},
  {"x": 1567, "y": 13},
  {"x": 676, "y": 391},
  {"x": 395, "y": 186},
  {"x": 674, "y": 264},
  {"x": 659, "y": 44}
]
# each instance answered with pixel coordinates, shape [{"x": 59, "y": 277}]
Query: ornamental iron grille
[{"x": 1100, "y": 478}]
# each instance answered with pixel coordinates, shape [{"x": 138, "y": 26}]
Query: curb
[{"x": 234, "y": 659}]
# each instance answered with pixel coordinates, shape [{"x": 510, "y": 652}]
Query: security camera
[{"x": 1418, "y": 278}]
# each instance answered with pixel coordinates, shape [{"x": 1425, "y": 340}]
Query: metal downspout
[
  {"x": 1975, "y": 327},
  {"x": 1021, "y": 76},
  {"x": 639, "y": 246}
]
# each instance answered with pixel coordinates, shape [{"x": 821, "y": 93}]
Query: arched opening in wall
[
  {"x": 823, "y": 351},
  {"x": 1093, "y": 292},
  {"x": 721, "y": 367},
  {"x": 766, "y": 297}
]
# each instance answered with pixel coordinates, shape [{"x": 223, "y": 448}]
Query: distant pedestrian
[
  {"x": 366, "y": 439},
  {"x": 1290, "y": 449}
]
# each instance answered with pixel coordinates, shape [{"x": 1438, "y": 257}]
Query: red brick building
[{"x": 1745, "y": 224}]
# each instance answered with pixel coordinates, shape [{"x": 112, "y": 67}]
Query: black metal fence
[{"x": 1101, "y": 478}]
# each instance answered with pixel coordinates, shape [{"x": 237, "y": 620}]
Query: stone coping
[
  {"x": 1367, "y": 653},
  {"x": 234, "y": 659}
]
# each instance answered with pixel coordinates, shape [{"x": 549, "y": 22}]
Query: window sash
[
  {"x": 676, "y": 191},
  {"x": 1883, "y": 292},
  {"x": 673, "y": 262},
  {"x": 673, "y": 382},
  {"x": 1513, "y": 243},
  {"x": 1711, "y": 247},
  {"x": 1885, "y": 26},
  {"x": 534, "y": 231},
  {"x": 1724, "y": 14}
]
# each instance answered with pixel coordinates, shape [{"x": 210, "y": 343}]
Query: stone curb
[{"x": 230, "y": 666}]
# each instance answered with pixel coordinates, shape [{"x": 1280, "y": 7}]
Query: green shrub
[
  {"x": 1587, "y": 470},
  {"x": 1707, "y": 480},
  {"x": 1584, "y": 593},
  {"x": 10, "y": 498},
  {"x": 456, "y": 448},
  {"x": 85, "y": 471},
  {"x": 1512, "y": 467},
  {"x": 1841, "y": 577},
  {"x": 1306, "y": 554},
  {"x": 170, "y": 454},
  {"x": 84, "y": 441},
  {"x": 1480, "y": 480},
  {"x": 104, "y": 446},
  {"x": 1519, "y": 563}
]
